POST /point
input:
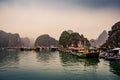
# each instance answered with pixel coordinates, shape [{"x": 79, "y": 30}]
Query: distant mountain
[
  {"x": 114, "y": 37},
  {"x": 46, "y": 41},
  {"x": 32, "y": 41},
  {"x": 93, "y": 42},
  {"x": 100, "y": 40},
  {"x": 14, "y": 40},
  {"x": 25, "y": 42},
  {"x": 9, "y": 39}
]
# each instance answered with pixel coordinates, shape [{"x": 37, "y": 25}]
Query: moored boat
[
  {"x": 81, "y": 54},
  {"x": 86, "y": 53},
  {"x": 92, "y": 52},
  {"x": 78, "y": 52},
  {"x": 26, "y": 49},
  {"x": 93, "y": 55},
  {"x": 113, "y": 54}
]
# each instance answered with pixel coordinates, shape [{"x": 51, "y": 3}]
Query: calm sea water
[{"x": 16, "y": 65}]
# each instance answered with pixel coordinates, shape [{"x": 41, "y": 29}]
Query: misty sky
[{"x": 32, "y": 18}]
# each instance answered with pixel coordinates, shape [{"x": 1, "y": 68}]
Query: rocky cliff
[
  {"x": 46, "y": 41},
  {"x": 9, "y": 40},
  {"x": 74, "y": 39},
  {"x": 114, "y": 37},
  {"x": 100, "y": 40},
  {"x": 13, "y": 40}
]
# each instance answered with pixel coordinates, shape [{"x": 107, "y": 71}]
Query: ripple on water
[{"x": 32, "y": 65}]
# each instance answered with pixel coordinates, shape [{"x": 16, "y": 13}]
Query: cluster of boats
[
  {"x": 80, "y": 52},
  {"x": 91, "y": 52},
  {"x": 112, "y": 54},
  {"x": 39, "y": 49},
  {"x": 83, "y": 52}
]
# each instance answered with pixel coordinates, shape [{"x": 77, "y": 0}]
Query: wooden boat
[
  {"x": 81, "y": 54},
  {"x": 78, "y": 52},
  {"x": 92, "y": 53},
  {"x": 87, "y": 53},
  {"x": 113, "y": 54},
  {"x": 111, "y": 58}
]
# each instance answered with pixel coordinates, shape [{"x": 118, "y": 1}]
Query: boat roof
[{"x": 116, "y": 49}]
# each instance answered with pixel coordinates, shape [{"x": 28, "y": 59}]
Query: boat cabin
[
  {"x": 116, "y": 51},
  {"x": 113, "y": 52}
]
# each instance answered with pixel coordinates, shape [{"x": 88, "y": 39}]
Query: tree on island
[
  {"x": 72, "y": 39},
  {"x": 63, "y": 40}
]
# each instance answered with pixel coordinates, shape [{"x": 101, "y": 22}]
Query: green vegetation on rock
[
  {"x": 63, "y": 40},
  {"x": 74, "y": 39},
  {"x": 114, "y": 37}
]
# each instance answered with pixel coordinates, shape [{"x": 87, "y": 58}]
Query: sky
[{"x": 32, "y": 18}]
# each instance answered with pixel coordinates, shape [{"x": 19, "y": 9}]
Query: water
[{"x": 16, "y": 65}]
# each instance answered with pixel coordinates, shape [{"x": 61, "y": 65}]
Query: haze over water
[
  {"x": 17, "y": 65},
  {"x": 32, "y": 18}
]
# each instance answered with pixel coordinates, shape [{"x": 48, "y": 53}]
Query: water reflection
[
  {"x": 49, "y": 61},
  {"x": 8, "y": 59},
  {"x": 71, "y": 63},
  {"x": 91, "y": 61},
  {"x": 65, "y": 58},
  {"x": 76, "y": 68},
  {"x": 45, "y": 56},
  {"x": 54, "y": 66},
  {"x": 115, "y": 67}
]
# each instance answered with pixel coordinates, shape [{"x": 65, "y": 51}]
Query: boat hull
[
  {"x": 93, "y": 55},
  {"x": 89, "y": 55},
  {"x": 112, "y": 58},
  {"x": 81, "y": 55}
]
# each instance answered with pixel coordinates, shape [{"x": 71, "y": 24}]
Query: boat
[
  {"x": 113, "y": 54},
  {"x": 93, "y": 55},
  {"x": 26, "y": 49},
  {"x": 81, "y": 54},
  {"x": 102, "y": 52},
  {"x": 78, "y": 52},
  {"x": 86, "y": 52},
  {"x": 92, "y": 52}
]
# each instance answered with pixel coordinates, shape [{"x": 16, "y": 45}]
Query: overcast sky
[{"x": 32, "y": 18}]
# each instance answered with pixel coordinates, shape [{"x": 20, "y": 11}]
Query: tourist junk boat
[
  {"x": 79, "y": 52},
  {"x": 113, "y": 54},
  {"x": 92, "y": 52},
  {"x": 85, "y": 53}
]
